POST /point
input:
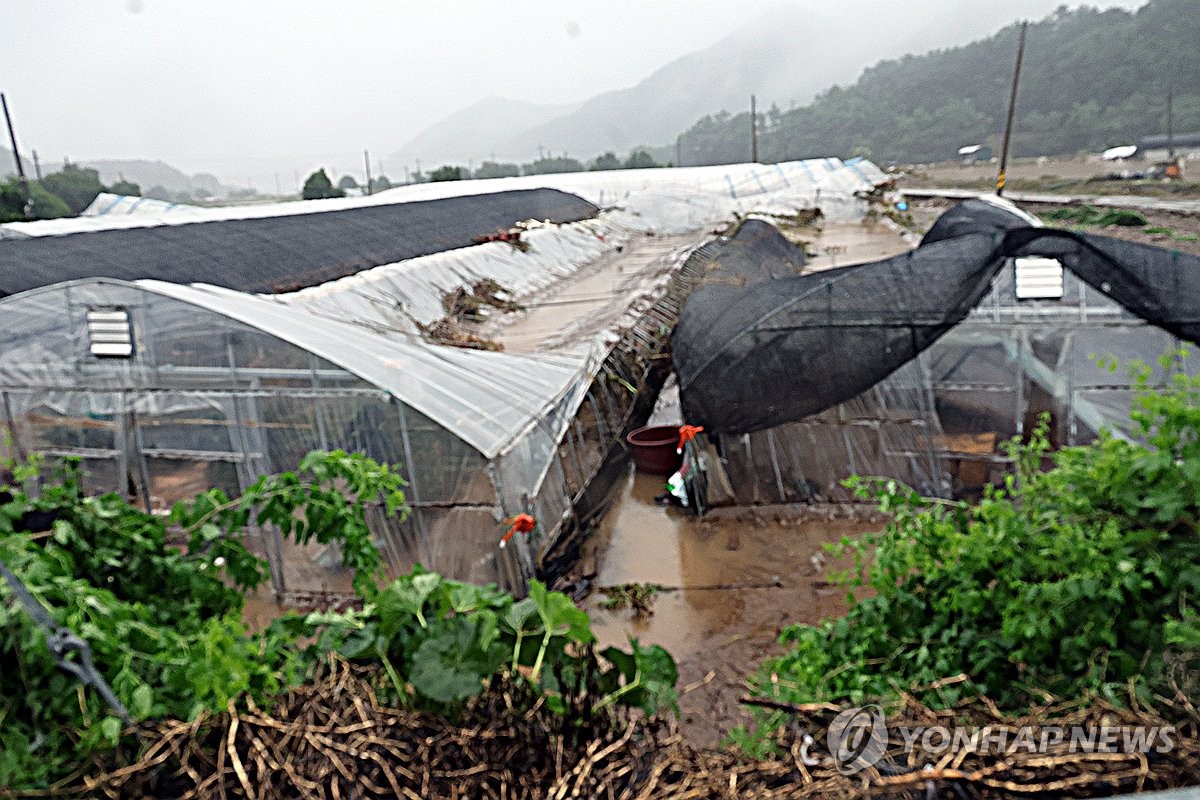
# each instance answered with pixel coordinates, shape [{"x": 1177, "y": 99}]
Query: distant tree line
[
  {"x": 639, "y": 158},
  {"x": 318, "y": 186},
  {"x": 64, "y": 193},
  {"x": 1091, "y": 80}
]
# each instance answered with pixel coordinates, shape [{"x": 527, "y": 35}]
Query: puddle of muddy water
[
  {"x": 841, "y": 244},
  {"x": 725, "y": 631}
]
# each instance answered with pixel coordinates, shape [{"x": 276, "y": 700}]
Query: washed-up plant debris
[
  {"x": 636, "y": 596},
  {"x": 335, "y": 737},
  {"x": 164, "y": 622}
]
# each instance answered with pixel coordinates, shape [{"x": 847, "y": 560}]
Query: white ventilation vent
[
  {"x": 109, "y": 333},
  {"x": 1039, "y": 279}
]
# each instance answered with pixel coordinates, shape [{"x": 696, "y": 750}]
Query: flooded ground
[
  {"x": 841, "y": 244},
  {"x": 734, "y": 578}
]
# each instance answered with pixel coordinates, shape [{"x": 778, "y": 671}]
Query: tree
[
  {"x": 1082, "y": 88},
  {"x": 347, "y": 182},
  {"x": 493, "y": 169},
  {"x": 380, "y": 184},
  {"x": 77, "y": 186},
  {"x": 319, "y": 187},
  {"x": 606, "y": 161},
  {"x": 447, "y": 173},
  {"x": 45, "y": 205},
  {"x": 127, "y": 188},
  {"x": 640, "y": 159},
  {"x": 12, "y": 202},
  {"x": 551, "y": 165}
]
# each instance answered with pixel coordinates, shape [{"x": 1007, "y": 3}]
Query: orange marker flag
[{"x": 521, "y": 523}]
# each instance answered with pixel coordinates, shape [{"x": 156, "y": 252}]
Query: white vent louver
[
  {"x": 109, "y": 333},
  {"x": 1039, "y": 279}
]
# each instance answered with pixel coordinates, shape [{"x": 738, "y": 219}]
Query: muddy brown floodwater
[
  {"x": 773, "y": 555},
  {"x": 840, "y": 244}
]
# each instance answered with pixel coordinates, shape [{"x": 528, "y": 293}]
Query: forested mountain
[
  {"x": 1092, "y": 79},
  {"x": 786, "y": 55}
]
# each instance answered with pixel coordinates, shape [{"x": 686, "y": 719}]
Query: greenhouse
[
  {"x": 177, "y": 353},
  {"x": 919, "y": 367}
]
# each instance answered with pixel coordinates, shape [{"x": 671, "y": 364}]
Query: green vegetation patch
[
  {"x": 1078, "y": 581},
  {"x": 1090, "y": 216},
  {"x": 164, "y": 622}
]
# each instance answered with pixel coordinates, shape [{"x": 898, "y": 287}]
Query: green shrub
[
  {"x": 165, "y": 630},
  {"x": 1079, "y": 580}
]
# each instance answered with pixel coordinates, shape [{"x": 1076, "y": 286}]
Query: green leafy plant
[
  {"x": 441, "y": 642},
  {"x": 1081, "y": 579},
  {"x": 163, "y": 621}
]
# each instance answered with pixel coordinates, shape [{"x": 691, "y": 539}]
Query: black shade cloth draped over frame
[
  {"x": 762, "y": 350},
  {"x": 281, "y": 253}
]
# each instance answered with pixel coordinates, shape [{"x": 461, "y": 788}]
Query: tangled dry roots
[{"x": 332, "y": 739}]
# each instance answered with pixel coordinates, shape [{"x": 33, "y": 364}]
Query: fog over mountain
[
  {"x": 785, "y": 55},
  {"x": 262, "y": 93}
]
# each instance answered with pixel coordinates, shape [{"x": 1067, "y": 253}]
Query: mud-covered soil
[
  {"x": 748, "y": 573},
  {"x": 1054, "y": 175}
]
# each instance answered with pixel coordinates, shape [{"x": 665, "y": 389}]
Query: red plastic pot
[{"x": 654, "y": 449}]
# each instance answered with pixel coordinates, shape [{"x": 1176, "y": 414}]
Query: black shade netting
[
  {"x": 779, "y": 349},
  {"x": 283, "y": 253}
]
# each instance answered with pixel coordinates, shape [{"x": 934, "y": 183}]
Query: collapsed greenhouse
[
  {"x": 919, "y": 367},
  {"x": 173, "y": 353}
]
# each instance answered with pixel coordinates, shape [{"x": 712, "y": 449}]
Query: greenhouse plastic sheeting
[
  {"x": 825, "y": 179},
  {"x": 472, "y": 393},
  {"x": 662, "y": 202},
  {"x": 224, "y": 386},
  {"x": 279, "y": 253},
  {"x": 107, "y": 203},
  {"x": 778, "y": 350}
]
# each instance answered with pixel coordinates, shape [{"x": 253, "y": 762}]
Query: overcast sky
[{"x": 238, "y": 87}]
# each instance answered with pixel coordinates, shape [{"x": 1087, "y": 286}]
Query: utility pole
[
  {"x": 1012, "y": 106},
  {"x": 367, "y": 161},
  {"x": 753, "y": 131},
  {"x": 12, "y": 137},
  {"x": 1171, "y": 124},
  {"x": 37, "y": 167},
  {"x": 679, "y": 150}
]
